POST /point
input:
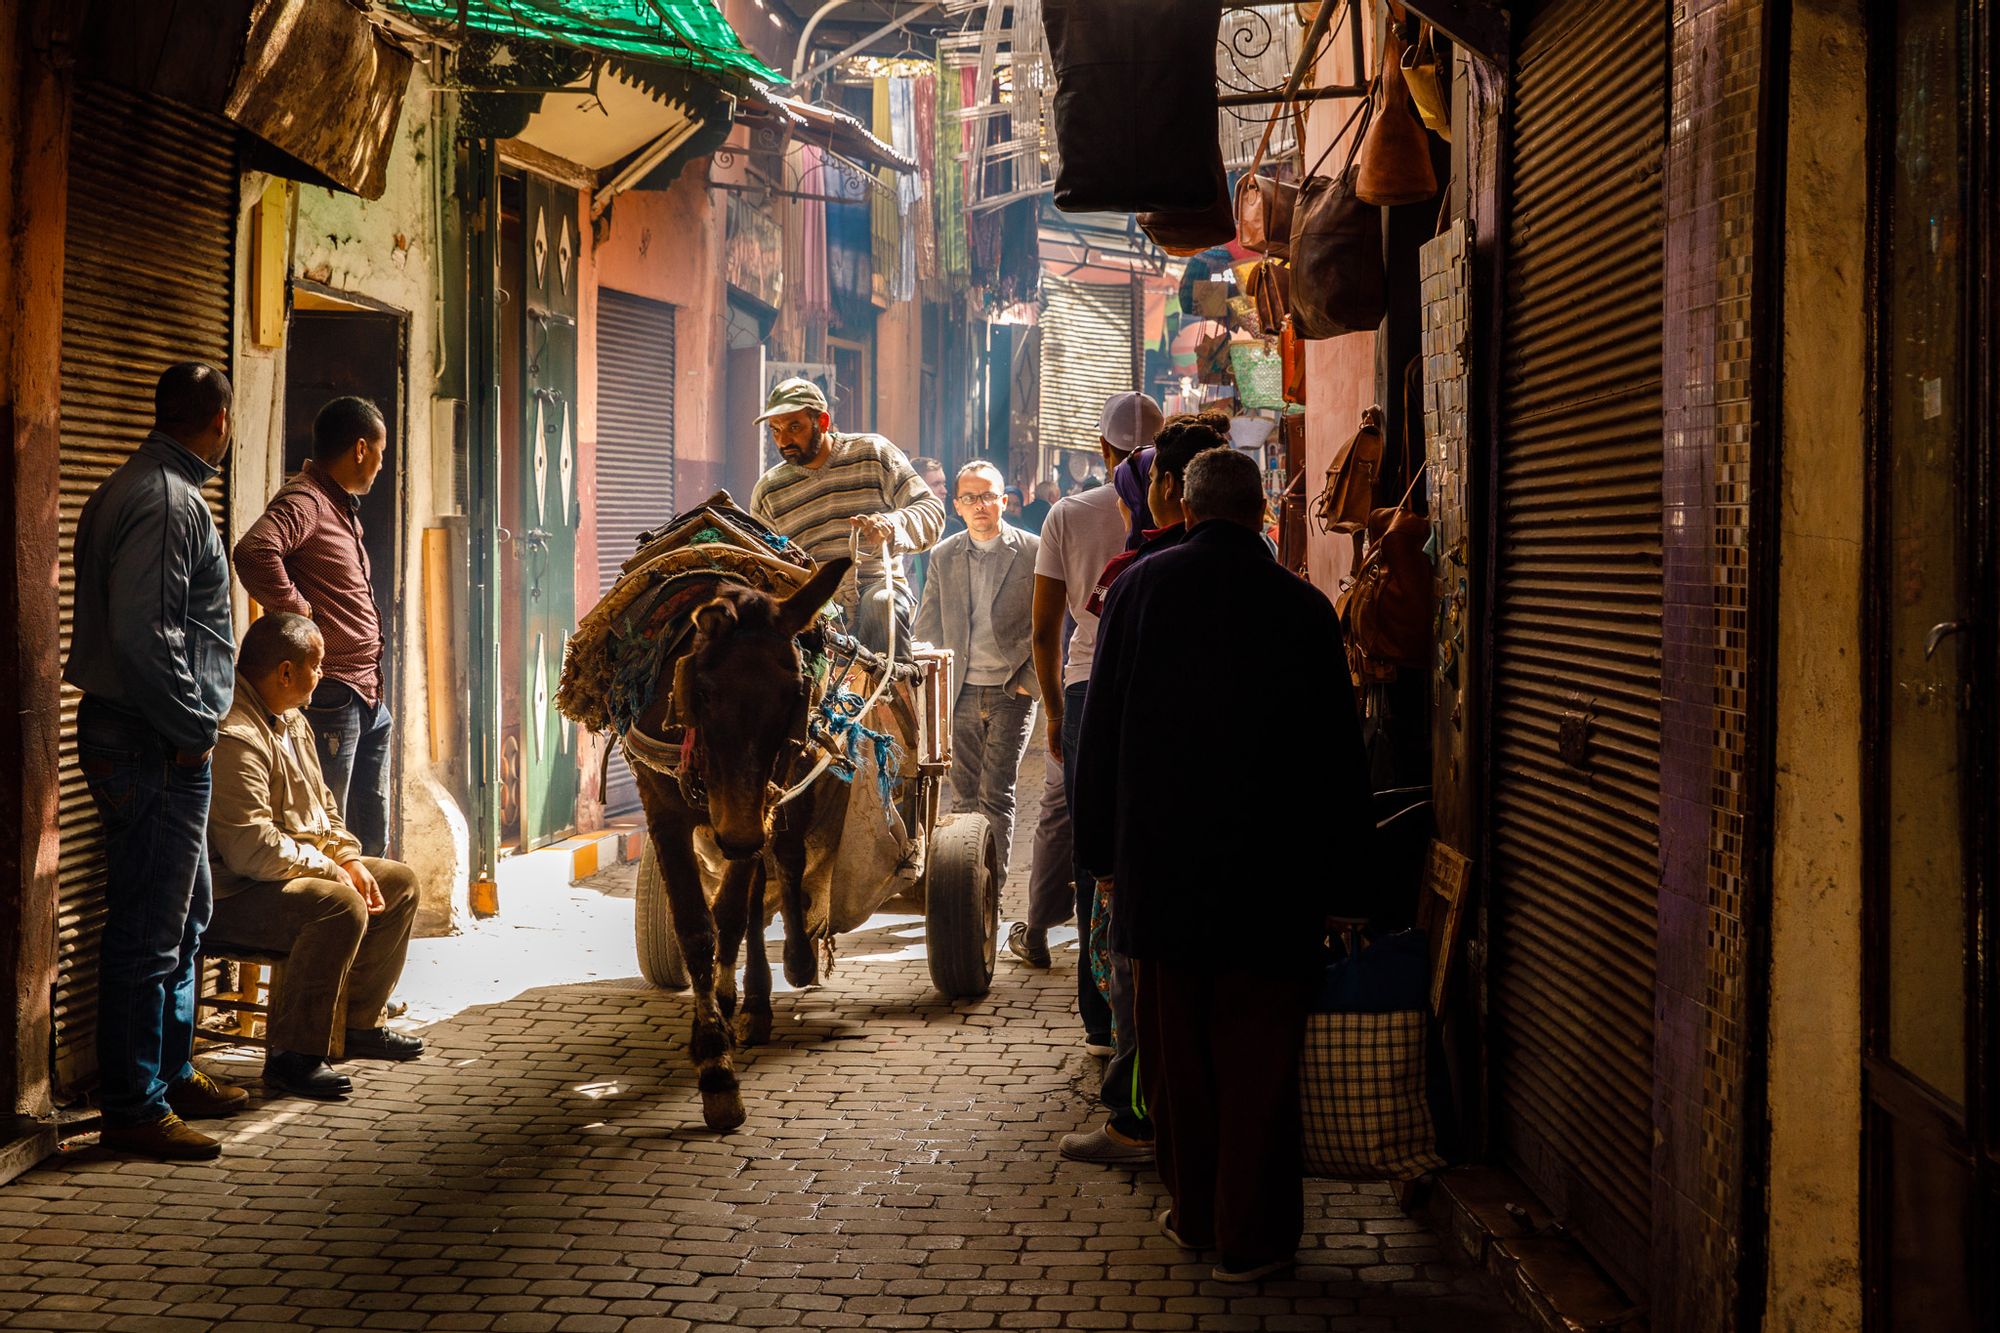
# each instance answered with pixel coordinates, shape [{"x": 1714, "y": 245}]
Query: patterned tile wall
[{"x": 1700, "y": 1054}]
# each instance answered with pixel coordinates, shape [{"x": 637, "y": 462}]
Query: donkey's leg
[
  {"x": 695, "y": 928},
  {"x": 731, "y": 906},
  {"x": 753, "y": 1025},
  {"x": 789, "y": 844}
]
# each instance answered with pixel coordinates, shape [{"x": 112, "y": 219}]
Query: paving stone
[{"x": 545, "y": 1168}]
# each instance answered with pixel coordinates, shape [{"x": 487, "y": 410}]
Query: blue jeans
[
  {"x": 352, "y": 738},
  {"x": 157, "y": 898},
  {"x": 1090, "y": 1003},
  {"x": 990, "y": 727}
]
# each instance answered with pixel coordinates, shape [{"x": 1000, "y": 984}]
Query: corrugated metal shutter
[
  {"x": 635, "y": 454},
  {"x": 147, "y": 281},
  {"x": 1576, "y": 666},
  {"x": 1088, "y": 354}
]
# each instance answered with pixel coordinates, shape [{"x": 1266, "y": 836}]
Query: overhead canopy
[
  {"x": 267, "y": 66},
  {"x": 596, "y": 127},
  {"x": 689, "y": 34}
]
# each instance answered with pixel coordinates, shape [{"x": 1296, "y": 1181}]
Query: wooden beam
[{"x": 1483, "y": 28}]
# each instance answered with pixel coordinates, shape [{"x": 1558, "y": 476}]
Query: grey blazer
[{"x": 945, "y": 616}]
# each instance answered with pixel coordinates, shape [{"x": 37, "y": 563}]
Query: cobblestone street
[{"x": 544, "y": 1167}]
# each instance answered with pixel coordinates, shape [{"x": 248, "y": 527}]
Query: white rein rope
[{"x": 890, "y": 577}]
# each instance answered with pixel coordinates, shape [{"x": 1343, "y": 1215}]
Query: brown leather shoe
[
  {"x": 199, "y": 1097},
  {"x": 167, "y": 1139}
]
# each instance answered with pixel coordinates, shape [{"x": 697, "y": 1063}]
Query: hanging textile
[
  {"x": 850, "y": 268},
  {"x": 924, "y": 219},
  {"x": 1021, "y": 250},
  {"x": 886, "y": 231},
  {"x": 909, "y": 187},
  {"x": 807, "y": 265},
  {"x": 948, "y": 196}
]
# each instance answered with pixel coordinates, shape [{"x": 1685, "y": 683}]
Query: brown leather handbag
[
  {"x": 1292, "y": 362},
  {"x": 1265, "y": 204},
  {"x": 1390, "y": 605},
  {"x": 1338, "y": 284},
  {"x": 1186, "y": 233},
  {"x": 1395, "y": 166},
  {"x": 1270, "y": 286},
  {"x": 1348, "y": 497}
]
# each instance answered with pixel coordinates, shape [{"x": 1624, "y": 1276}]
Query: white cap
[{"x": 1130, "y": 420}]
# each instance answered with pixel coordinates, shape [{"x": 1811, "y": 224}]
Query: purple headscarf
[{"x": 1130, "y": 480}]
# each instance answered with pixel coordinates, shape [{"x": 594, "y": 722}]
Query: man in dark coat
[{"x": 1221, "y": 776}]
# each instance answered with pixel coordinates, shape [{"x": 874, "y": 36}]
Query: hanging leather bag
[
  {"x": 1292, "y": 360},
  {"x": 1338, "y": 284},
  {"x": 1135, "y": 89},
  {"x": 1270, "y": 286},
  {"x": 1187, "y": 233},
  {"x": 1395, "y": 165},
  {"x": 1390, "y": 605},
  {"x": 1265, "y": 204},
  {"x": 1348, "y": 497},
  {"x": 1426, "y": 84}
]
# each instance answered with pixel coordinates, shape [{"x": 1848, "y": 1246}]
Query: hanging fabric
[
  {"x": 885, "y": 227},
  {"x": 924, "y": 220},
  {"x": 948, "y": 196},
  {"x": 909, "y": 187},
  {"x": 811, "y": 296}
]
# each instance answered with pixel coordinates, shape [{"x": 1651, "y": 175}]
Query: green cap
[{"x": 793, "y": 395}]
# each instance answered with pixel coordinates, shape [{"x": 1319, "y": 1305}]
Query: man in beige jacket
[{"x": 291, "y": 879}]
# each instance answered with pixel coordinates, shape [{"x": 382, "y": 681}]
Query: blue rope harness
[{"x": 838, "y": 713}]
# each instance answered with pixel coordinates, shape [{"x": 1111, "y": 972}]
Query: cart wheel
[
  {"x": 660, "y": 960},
  {"x": 962, "y": 907}
]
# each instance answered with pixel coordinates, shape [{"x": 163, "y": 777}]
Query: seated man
[{"x": 290, "y": 878}]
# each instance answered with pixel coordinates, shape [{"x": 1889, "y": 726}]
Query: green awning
[{"x": 691, "y": 34}]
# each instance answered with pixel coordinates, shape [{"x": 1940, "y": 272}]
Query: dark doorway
[
  {"x": 354, "y": 352},
  {"x": 1931, "y": 1068}
]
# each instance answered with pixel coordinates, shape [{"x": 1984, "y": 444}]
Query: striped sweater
[{"x": 865, "y": 475}]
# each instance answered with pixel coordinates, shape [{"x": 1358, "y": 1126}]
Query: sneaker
[
  {"x": 305, "y": 1076},
  {"x": 199, "y": 1097},
  {"x": 1029, "y": 943},
  {"x": 1105, "y": 1146},
  {"x": 167, "y": 1139},
  {"x": 1224, "y": 1272},
  {"x": 1100, "y": 1047},
  {"x": 382, "y": 1044},
  {"x": 1172, "y": 1233}
]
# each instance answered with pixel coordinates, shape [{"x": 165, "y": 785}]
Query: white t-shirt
[{"x": 1079, "y": 537}]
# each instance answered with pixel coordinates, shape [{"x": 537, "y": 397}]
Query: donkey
[{"x": 741, "y": 686}]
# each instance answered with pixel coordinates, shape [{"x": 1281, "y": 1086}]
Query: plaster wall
[
  {"x": 1814, "y": 1275},
  {"x": 899, "y": 376},
  {"x": 386, "y": 251},
  {"x": 1340, "y": 372},
  {"x": 667, "y": 245}
]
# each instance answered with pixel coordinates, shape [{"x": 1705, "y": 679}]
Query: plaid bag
[{"x": 1361, "y": 1097}]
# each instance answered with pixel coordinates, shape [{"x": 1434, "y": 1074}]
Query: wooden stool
[{"x": 258, "y": 974}]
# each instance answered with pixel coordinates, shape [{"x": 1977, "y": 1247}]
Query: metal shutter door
[
  {"x": 635, "y": 454},
  {"x": 1088, "y": 354},
  {"x": 1576, "y": 666},
  {"x": 147, "y": 281}
]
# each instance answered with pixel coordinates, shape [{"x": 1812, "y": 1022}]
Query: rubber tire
[
  {"x": 660, "y": 960},
  {"x": 962, "y": 907}
]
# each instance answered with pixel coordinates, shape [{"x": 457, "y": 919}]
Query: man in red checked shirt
[{"x": 306, "y": 555}]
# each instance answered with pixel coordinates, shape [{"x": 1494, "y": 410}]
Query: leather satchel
[
  {"x": 1292, "y": 361},
  {"x": 1348, "y": 498},
  {"x": 1390, "y": 605},
  {"x": 1188, "y": 232},
  {"x": 1265, "y": 204},
  {"x": 1270, "y": 286},
  {"x": 1395, "y": 166},
  {"x": 1338, "y": 284},
  {"x": 1135, "y": 87},
  {"x": 1420, "y": 73}
]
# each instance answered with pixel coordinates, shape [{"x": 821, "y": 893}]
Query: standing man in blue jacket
[{"x": 153, "y": 652}]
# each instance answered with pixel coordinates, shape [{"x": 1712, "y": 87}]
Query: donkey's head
[{"x": 743, "y": 688}]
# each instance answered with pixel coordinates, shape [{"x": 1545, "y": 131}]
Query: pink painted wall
[
  {"x": 899, "y": 375},
  {"x": 667, "y": 245},
  {"x": 1340, "y": 372}
]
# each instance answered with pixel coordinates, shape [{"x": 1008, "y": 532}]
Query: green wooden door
[{"x": 547, "y": 523}]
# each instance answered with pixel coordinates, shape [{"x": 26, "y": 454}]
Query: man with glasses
[{"x": 979, "y": 603}]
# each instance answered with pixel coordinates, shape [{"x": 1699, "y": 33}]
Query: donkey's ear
[
  {"x": 796, "y": 612},
  {"x": 716, "y": 617}
]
